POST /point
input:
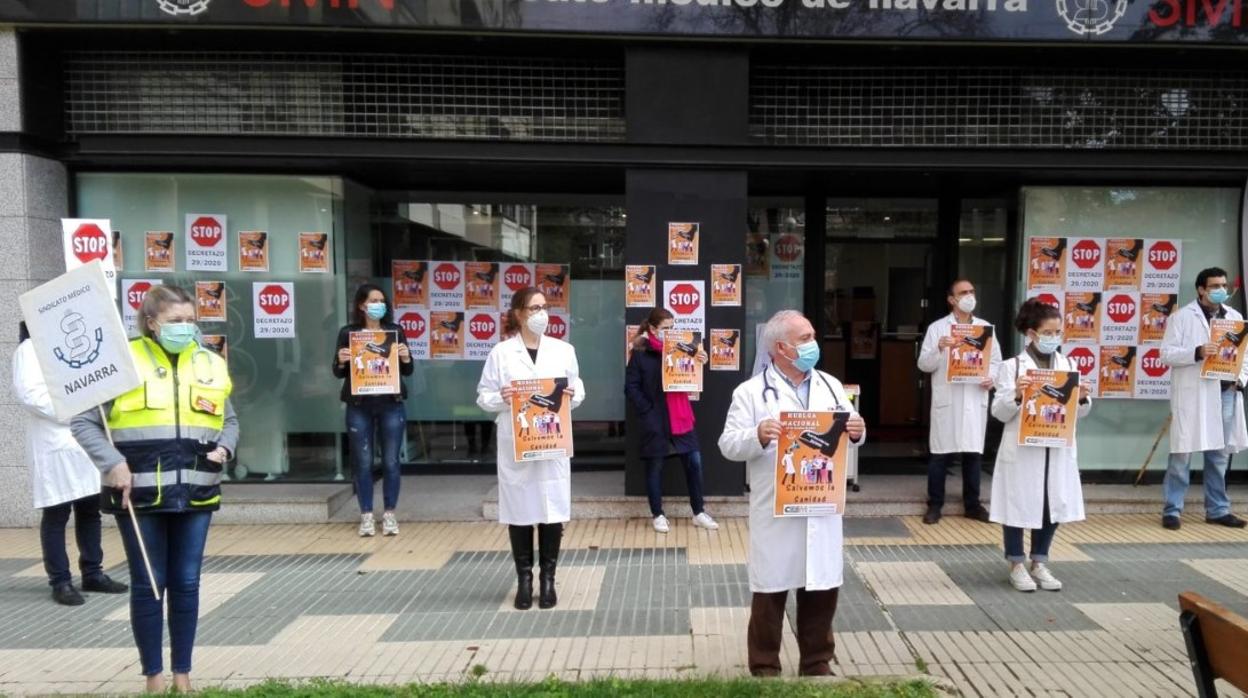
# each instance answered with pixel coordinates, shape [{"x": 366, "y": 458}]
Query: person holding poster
[
  {"x": 799, "y": 553},
  {"x": 959, "y": 416},
  {"x": 1034, "y": 487},
  {"x": 537, "y": 492},
  {"x": 666, "y": 421},
  {"x": 162, "y": 452},
  {"x": 367, "y": 415},
  {"x": 1207, "y": 413}
]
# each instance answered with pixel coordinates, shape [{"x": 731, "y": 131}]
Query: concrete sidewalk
[{"x": 432, "y": 604}]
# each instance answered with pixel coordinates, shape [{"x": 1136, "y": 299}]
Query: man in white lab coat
[
  {"x": 959, "y": 410},
  {"x": 1208, "y": 414},
  {"x": 804, "y": 554}
]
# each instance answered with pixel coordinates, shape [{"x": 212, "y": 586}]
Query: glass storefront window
[{"x": 775, "y": 264}]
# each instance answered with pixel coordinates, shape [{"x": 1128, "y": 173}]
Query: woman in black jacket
[
  {"x": 369, "y": 414},
  {"x": 666, "y": 421}
]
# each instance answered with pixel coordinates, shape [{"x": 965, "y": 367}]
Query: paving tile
[
  {"x": 1228, "y": 572},
  {"x": 911, "y": 583}
]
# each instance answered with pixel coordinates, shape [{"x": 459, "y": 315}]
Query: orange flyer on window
[
  {"x": 1081, "y": 321},
  {"x": 969, "y": 359},
  {"x": 481, "y": 285},
  {"x": 541, "y": 419},
  {"x": 1046, "y": 263},
  {"x": 446, "y": 335},
  {"x": 210, "y": 301},
  {"x": 1155, "y": 310},
  {"x": 630, "y": 334},
  {"x": 1049, "y": 409},
  {"x": 639, "y": 286},
  {"x": 682, "y": 372},
  {"x": 1117, "y": 376},
  {"x": 726, "y": 285},
  {"x": 410, "y": 280},
  {"x": 253, "y": 250},
  {"x": 314, "y": 253},
  {"x": 158, "y": 251},
  {"x": 725, "y": 350},
  {"x": 374, "y": 364},
  {"x": 811, "y": 455},
  {"x": 217, "y": 343},
  {"x": 1226, "y": 363},
  {"x": 1124, "y": 260},
  {"x": 555, "y": 282},
  {"x": 682, "y": 243}
]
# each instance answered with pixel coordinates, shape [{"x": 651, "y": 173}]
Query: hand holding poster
[
  {"x": 541, "y": 418},
  {"x": 682, "y": 367},
  {"x": 969, "y": 358},
  {"x": 1228, "y": 360},
  {"x": 374, "y": 363},
  {"x": 1049, "y": 409},
  {"x": 810, "y": 463}
]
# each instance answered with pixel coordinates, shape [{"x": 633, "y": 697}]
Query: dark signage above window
[{"x": 1109, "y": 21}]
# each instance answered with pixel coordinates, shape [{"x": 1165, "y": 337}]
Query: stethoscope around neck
[
  {"x": 769, "y": 387},
  {"x": 162, "y": 372}
]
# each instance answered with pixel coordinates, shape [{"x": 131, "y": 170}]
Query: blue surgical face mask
[
  {"x": 1046, "y": 344},
  {"x": 375, "y": 311},
  {"x": 807, "y": 355},
  {"x": 1218, "y": 296},
  {"x": 177, "y": 337}
]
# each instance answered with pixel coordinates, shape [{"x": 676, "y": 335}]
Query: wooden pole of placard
[
  {"x": 134, "y": 522},
  {"x": 1160, "y": 433}
]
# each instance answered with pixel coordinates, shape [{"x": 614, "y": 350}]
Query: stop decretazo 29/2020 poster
[
  {"x": 541, "y": 419},
  {"x": 811, "y": 455}
]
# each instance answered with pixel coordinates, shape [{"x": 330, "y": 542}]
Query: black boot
[
  {"x": 522, "y": 553},
  {"x": 548, "y": 537}
]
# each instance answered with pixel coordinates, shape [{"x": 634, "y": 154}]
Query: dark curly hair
[{"x": 1034, "y": 312}]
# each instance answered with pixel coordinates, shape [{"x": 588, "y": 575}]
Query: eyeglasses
[{"x": 537, "y": 308}]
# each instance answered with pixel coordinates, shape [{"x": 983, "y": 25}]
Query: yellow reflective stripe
[{"x": 206, "y": 502}]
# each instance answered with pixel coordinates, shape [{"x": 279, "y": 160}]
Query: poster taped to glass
[
  {"x": 682, "y": 365},
  {"x": 541, "y": 417},
  {"x": 726, "y": 285},
  {"x": 1049, "y": 409},
  {"x": 158, "y": 251},
  {"x": 682, "y": 243},
  {"x": 210, "y": 301},
  {"x": 1228, "y": 361},
  {"x": 639, "y": 286},
  {"x": 253, "y": 250},
  {"x": 410, "y": 287},
  {"x": 811, "y": 456},
  {"x": 218, "y": 343},
  {"x": 725, "y": 350},
  {"x": 555, "y": 283},
  {"x": 969, "y": 358},
  {"x": 374, "y": 363},
  {"x": 314, "y": 253}
]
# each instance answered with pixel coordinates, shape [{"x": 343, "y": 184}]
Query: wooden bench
[{"x": 1217, "y": 643}]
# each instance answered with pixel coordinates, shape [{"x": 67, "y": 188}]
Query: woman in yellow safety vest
[{"x": 170, "y": 439}]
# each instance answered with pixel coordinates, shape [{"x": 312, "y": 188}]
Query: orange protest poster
[
  {"x": 757, "y": 256},
  {"x": 968, "y": 360},
  {"x": 1226, "y": 363},
  {"x": 725, "y": 350},
  {"x": 158, "y": 251},
  {"x": 541, "y": 418},
  {"x": 217, "y": 343},
  {"x": 1117, "y": 377},
  {"x": 1156, "y": 309},
  {"x": 253, "y": 250},
  {"x": 682, "y": 243},
  {"x": 409, "y": 282},
  {"x": 811, "y": 455},
  {"x": 446, "y": 335},
  {"x": 555, "y": 282},
  {"x": 682, "y": 372},
  {"x": 210, "y": 301},
  {"x": 314, "y": 253},
  {"x": 374, "y": 363},
  {"x": 1046, "y": 263},
  {"x": 639, "y": 286},
  {"x": 1123, "y": 262},
  {"x": 726, "y": 285},
  {"x": 630, "y": 334},
  {"x": 1082, "y": 320},
  {"x": 480, "y": 285},
  {"x": 1049, "y": 409}
]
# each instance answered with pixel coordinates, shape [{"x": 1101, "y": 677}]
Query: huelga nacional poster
[
  {"x": 541, "y": 417},
  {"x": 374, "y": 363},
  {"x": 1226, "y": 363},
  {"x": 969, "y": 359},
  {"x": 682, "y": 372},
  {"x": 1049, "y": 409},
  {"x": 811, "y": 455}
]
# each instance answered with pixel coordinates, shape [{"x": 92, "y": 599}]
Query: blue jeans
[
  {"x": 1178, "y": 473},
  {"x": 1041, "y": 538},
  {"x": 364, "y": 423},
  {"x": 86, "y": 532},
  {"x": 175, "y": 546},
  {"x": 693, "y": 481},
  {"x": 938, "y": 468}
]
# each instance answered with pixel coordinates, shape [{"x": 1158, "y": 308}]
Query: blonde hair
[{"x": 154, "y": 303}]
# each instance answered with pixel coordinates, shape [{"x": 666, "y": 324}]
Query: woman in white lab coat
[
  {"x": 1033, "y": 487},
  {"x": 534, "y": 492}
]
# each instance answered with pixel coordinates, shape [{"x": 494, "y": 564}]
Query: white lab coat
[
  {"x": 785, "y": 553},
  {"x": 1018, "y": 479},
  {"x": 60, "y": 470},
  {"x": 1196, "y": 402},
  {"x": 534, "y": 492},
  {"x": 959, "y": 410}
]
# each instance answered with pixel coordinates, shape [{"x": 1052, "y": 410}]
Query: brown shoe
[{"x": 932, "y": 516}]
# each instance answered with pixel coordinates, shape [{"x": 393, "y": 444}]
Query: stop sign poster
[
  {"x": 206, "y": 242},
  {"x": 410, "y": 282},
  {"x": 1152, "y": 381},
  {"x": 1155, "y": 311},
  {"x": 1228, "y": 361},
  {"x": 1124, "y": 260},
  {"x": 515, "y": 277},
  {"x": 726, "y": 285},
  {"x": 415, "y": 324},
  {"x": 787, "y": 257},
  {"x": 1082, "y": 318},
  {"x": 1120, "y": 317},
  {"x": 446, "y": 292},
  {"x": 86, "y": 240},
  {"x": 210, "y": 301},
  {"x": 273, "y": 309},
  {"x": 1046, "y": 263},
  {"x": 682, "y": 243},
  {"x": 682, "y": 371},
  {"x": 133, "y": 291},
  {"x": 685, "y": 300},
  {"x": 483, "y": 331},
  {"x": 1117, "y": 372},
  {"x": 559, "y": 326},
  {"x": 555, "y": 282},
  {"x": 481, "y": 285},
  {"x": 1162, "y": 262},
  {"x": 158, "y": 251},
  {"x": 1087, "y": 360},
  {"x": 1086, "y": 270},
  {"x": 446, "y": 335}
]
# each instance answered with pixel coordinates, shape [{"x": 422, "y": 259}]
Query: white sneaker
[
  {"x": 389, "y": 524},
  {"x": 1046, "y": 579},
  {"x": 368, "y": 528},
  {"x": 704, "y": 520},
  {"x": 1020, "y": 579},
  {"x": 660, "y": 524}
]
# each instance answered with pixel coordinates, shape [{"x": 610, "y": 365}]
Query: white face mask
[
  {"x": 967, "y": 303},
  {"x": 537, "y": 322}
]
